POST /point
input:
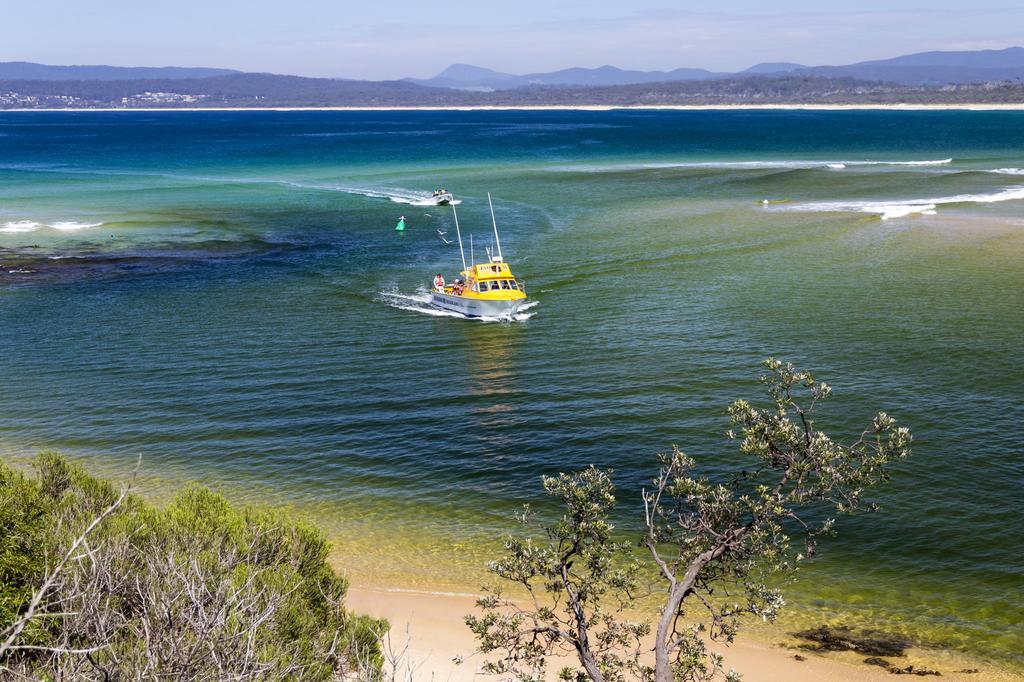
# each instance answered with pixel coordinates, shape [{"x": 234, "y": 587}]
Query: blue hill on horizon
[{"x": 922, "y": 68}]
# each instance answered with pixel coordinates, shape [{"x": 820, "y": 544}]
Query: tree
[
  {"x": 579, "y": 570},
  {"x": 719, "y": 545}
]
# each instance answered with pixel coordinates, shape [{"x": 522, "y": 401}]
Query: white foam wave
[
  {"x": 20, "y": 226},
  {"x": 899, "y": 209},
  {"x": 33, "y": 225},
  {"x": 902, "y": 211},
  {"x": 71, "y": 225},
  {"x": 420, "y": 303},
  {"x": 1008, "y": 171},
  {"x": 939, "y": 162},
  {"x": 752, "y": 165}
]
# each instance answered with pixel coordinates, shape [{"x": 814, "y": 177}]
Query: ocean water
[{"x": 223, "y": 293}]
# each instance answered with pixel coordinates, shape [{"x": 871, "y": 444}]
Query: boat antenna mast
[
  {"x": 459, "y": 235},
  {"x": 494, "y": 222}
]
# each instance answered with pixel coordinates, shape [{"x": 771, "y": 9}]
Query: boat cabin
[{"x": 494, "y": 276}]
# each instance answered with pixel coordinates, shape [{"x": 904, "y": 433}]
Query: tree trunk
[
  {"x": 678, "y": 592},
  {"x": 590, "y": 663},
  {"x": 662, "y": 663},
  {"x": 582, "y": 637},
  {"x": 582, "y": 641}
]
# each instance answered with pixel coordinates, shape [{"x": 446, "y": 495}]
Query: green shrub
[{"x": 198, "y": 589}]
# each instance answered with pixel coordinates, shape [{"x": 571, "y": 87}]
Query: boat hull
[{"x": 475, "y": 307}]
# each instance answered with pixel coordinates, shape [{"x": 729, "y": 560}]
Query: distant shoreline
[{"x": 583, "y": 107}]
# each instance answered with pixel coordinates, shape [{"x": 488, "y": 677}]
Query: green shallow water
[{"x": 246, "y": 315}]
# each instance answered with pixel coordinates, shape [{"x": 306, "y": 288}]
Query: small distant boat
[
  {"x": 441, "y": 197},
  {"x": 485, "y": 289}
]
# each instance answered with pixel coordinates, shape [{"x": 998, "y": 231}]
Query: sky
[{"x": 382, "y": 39}]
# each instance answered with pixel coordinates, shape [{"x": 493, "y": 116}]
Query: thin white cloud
[
  {"x": 645, "y": 39},
  {"x": 662, "y": 39}
]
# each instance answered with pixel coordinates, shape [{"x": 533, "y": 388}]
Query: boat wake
[
  {"x": 902, "y": 208},
  {"x": 397, "y": 195},
  {"x": 420, "y": 303}
]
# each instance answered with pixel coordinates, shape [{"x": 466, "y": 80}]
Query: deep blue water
[{"x": 223, "y": 293}]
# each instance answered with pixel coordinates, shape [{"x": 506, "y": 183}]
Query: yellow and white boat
[{"x": 484, "y": 289}]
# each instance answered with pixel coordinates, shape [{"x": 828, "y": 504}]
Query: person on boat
[
  {"x": 439, "y": 282},
  {"x": 457, "y": 287}
]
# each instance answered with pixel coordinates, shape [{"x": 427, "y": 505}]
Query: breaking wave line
[{"x": 902, "y": 208}]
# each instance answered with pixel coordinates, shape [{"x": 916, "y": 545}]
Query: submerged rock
[
  {"x": 912, "y": 670},
  {"x": 909, "y": 670},
  {"x": 844, "y": 639},
  {"x": 881, "y": 662}
]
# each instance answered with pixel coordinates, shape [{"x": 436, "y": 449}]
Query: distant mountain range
[
  {"x": 923, "y": 68},
  {"x": 988, "y": 76},
  {"x": 467, "y": 77}
]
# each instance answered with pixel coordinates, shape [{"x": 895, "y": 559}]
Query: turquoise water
[{"x": 224, "y": 294}]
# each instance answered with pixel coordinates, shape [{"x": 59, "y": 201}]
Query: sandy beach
[{"x": 431, "y": 642}]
